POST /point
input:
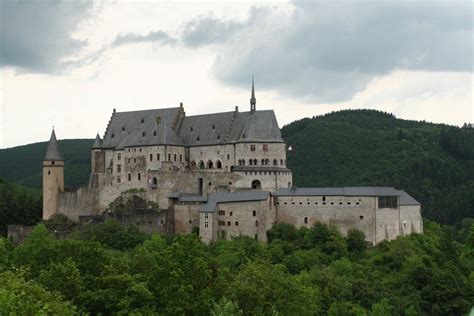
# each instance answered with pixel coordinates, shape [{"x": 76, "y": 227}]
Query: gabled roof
[
  {"x": 405, "y": 198},
  {"x": 229, "y": 197},
  {"x": 52, "y": 152},
  {"x": 141, "y": 128},
  {"x": 171, "y": 127}
]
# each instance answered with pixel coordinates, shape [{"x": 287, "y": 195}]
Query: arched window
[
  {"x": 263, "y": 162},
  {"x": 243, "y": 162},
  {"x": 255, "y": 161},
  {"x": 256, "y": 185},
  {"x": 218, "y": 164},
  {"x": 193, "y": 165},
  {"x": 306, "y": 220},
  {"x": 267, "y": 161},
  {"x": 202, "y": 165},
  {"x": 281, "y": 162},
  {"x": 210, "y": 164},
  {"x": 275, "y": 162},
  {"x": 250, "y": 162}
]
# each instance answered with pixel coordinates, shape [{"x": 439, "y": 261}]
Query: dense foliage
[
  {"x": 118, "y": 270},
  {"x": 18, "y": 205},
  {"x": 432, "y": 162},
  {"x": 22, "y": 164}
]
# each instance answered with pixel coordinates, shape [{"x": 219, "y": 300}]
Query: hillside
[
  {"x": 22, "y": 164},
  {"x": 433, "y": 162}
]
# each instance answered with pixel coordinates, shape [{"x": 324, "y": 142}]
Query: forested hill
[
  {"x": 433, "y": 162},
  {"x": 22, "y": 164}
]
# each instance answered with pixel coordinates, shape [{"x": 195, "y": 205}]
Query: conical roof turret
[
  {"x": 52, "y": 152},
  {"x": 97, "y": 142}
]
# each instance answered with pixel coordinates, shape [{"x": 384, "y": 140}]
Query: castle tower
[
  {"x": 97, "y": 156},
  {"x": 253, "y": 100},
  {"x": 53, "y": 177}
]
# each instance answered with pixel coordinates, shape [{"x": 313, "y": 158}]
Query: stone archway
[{"x": 256, "y": 185}]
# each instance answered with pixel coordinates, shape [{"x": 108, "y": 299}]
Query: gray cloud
[
  {"x": 131, "y": 38},
  {"x": 35, "y": 36},
  {"x": 327, "y": 52}
]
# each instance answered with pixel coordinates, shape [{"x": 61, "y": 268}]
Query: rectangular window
[
  {"x": 181, "y": 157},
  {"x": 119, "y": 156},
  {"x": 236, "y": 223},
  {"x": 388, "y": 202},
  {"x": 265, "y": 147},
  {"x": 252, "y": 147},
  {"x": 256, "y": 223},
  {"x": 151, "y": 157},
  {"x": 206, "y": 224},
  {"x": 119, "y": 179},
  {"x": 174, "y": 158},
  {"x": 119, "y": 168},
  {"x": 128, "y": 160},
  {"x": 169, "y": 157},
  {"x": 158, "y": 157},
  {"x": 230, "y": 213},
  {"x": 139, "y": 176},
  {"x": 129, "y": 177},
  {"x": 254, "y": 213},
  {"x": 206, "y": 216}
]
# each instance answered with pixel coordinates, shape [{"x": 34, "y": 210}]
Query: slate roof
[
  {"x": 229, "y": 197},
  {"x": 141, "y": 128},
  {"x": 97, "y": 142},
  {"x": 52, "y": 152},
  {"x": 405, "y": 198}
]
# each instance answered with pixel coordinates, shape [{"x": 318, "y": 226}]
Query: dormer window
[
  {"x": 191, "y": 129},
  {"x": 143, "y": 121},
  {"x": 218, "y": 136},
  {"x": 112, "y": 136},
  {"x": 213, "y": 126},
  {"x": 243, "y": 135},
  {"x": 154, "y": 133},
  {"x": 123, "y": 128},
  {"x": 197, "y": 138},
  {"x": 143, "y": 134}
]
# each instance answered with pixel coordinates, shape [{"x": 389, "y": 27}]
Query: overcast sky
[{"x": 68, "y": 64}]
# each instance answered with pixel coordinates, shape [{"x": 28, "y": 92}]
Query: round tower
[{"x": 53, "y": 177}]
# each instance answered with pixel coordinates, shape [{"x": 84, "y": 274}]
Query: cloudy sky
[{"x": 69, "y": 63}]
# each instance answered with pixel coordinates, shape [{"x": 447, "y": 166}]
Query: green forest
[{"x": 110, "y": 269}]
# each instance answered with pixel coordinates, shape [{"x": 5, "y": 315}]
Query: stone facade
[{"x": 224, "y": 173}]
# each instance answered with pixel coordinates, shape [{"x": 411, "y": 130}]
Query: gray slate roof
[
  {"x": 126, "y": 129},
  {"x": 52, "y": 152},
  {"x": 97, "y": 142},
  {"x": 260, "y": 168},
  {"x": 405, "y": 198},
  {"x": 229, "y": 197}
]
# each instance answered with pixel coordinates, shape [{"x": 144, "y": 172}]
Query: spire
[
  {"x": 97, "y": 142},
  {"x": 253, "y": 101},
  {"x": 52, "y": 152}
]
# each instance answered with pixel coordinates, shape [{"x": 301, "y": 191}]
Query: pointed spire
[
  {"x": 253, "y": 100},
  {"x": 52, "y": 152},
  {"x": 97, "y": 142}
]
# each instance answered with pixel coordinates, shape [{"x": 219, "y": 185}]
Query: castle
[{"x": 224, "y": 173}]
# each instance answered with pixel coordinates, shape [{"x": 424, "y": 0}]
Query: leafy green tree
[
  {"x": 21, "y": 297},
  {"x": 226, "y": 307},
  {"x": 356, "y": 241}
]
